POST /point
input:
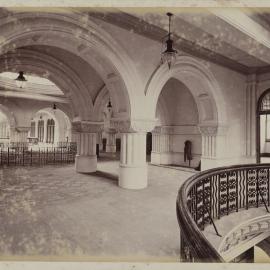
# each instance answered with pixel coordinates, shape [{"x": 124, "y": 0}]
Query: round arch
[
  {"x": 56, "y": 72},
  {"x": 61, "y": 119},
  {"x": 97, "y": 47},
  {"x": 201, "y": 83}
]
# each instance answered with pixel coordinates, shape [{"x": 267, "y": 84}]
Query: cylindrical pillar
[
  {"x": 133, "y": 166},
  {"x": 86, "y": 159}
]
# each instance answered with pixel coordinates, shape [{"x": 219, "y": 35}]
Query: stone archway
[
  {"x": 90, "y": 42},
  {"x": 61, "y": 75},
  {"x": 199, "y": 80},
  {"x": 74, "y": 33},
  {"x": 178, "y": 123},
  {"x": 208, "y": 98}
]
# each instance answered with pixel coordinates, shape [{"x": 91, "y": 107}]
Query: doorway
[{"x": 148, "y": 146}]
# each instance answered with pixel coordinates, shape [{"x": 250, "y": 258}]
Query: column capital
[
  {"x": 212, "y": 130},
  {"x": 87, "y": 126},
  {"x": 22, "y": 129},
  {"x": 120, "y": 125},
  {"x": 110, "y": 130},
  {"x": 133, "y": 125},
  {"x": 163, "y": 129}
]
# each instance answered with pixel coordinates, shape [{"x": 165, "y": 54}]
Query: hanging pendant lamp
[{"x": 169, "y": 54}]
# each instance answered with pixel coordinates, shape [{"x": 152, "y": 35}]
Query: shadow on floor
[
  {"x": 103, "y": 156},
  {"x": 106, "y": 175}
]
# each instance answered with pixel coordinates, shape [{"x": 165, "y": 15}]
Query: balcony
[{"x": 223, "y": 213}]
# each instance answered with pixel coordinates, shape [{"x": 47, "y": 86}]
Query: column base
[
  {"x": 131, "y": 177},
  {"x": 86, "y": 164},
  {"x": 110, "y": 148}
]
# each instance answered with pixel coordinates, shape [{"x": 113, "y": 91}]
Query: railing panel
[
  {"x": 251, "y": 188},
  {"x": 22, "y": 156},
  {"x": 212, "y": 194}
]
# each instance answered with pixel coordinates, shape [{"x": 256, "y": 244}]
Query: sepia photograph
[{"x": 134, "y": 134}]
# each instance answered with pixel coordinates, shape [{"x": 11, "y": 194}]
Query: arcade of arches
[{"x": 114, "y": 99}]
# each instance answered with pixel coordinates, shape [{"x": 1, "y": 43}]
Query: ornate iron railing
[
  {"x": 209, "y": 195},
  {"x": 23, "y": 156}
]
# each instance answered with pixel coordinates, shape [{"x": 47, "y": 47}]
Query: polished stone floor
[{"x": 53, "y": 213}]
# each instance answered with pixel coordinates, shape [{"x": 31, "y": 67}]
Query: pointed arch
[{"x": 201, "y": 83}]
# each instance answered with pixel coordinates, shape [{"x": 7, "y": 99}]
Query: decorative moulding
[
  {"x": 22, "y": 129},
  {"x": 133, "y": 125},
  {"x": 87, "y": 126},
  {"x": 213, "y": 130}
]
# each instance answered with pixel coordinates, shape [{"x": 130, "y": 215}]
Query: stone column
[
  {"x": 84, "y": 134},
  {"x": 111, "y": 145},
  {"x": 133, "y": 166},
  {"x": 214, "y": 146},
  {"x": 161, "y": 146},
  {"x": 251, "y": 103}
]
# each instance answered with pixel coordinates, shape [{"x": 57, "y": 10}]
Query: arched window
[
  {"x": 40, "y": 130},
  {"x": 264, "y": 103},
  {"x": 50, "y": 131},
  {"x": 263, "y": 128},
  {"x": 32, "y": 130}
]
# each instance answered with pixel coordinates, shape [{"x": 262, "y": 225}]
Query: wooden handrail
[{"x": 194, "y": 245}]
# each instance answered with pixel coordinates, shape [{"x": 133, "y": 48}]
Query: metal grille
[{"x": 22, "y": 156}]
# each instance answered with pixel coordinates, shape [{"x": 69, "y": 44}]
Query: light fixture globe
[
  {"x": 169, "y": 54},
  {"x": 20, "y": 80}
]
